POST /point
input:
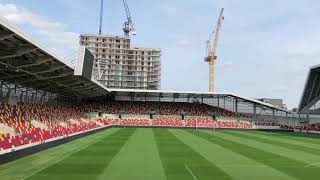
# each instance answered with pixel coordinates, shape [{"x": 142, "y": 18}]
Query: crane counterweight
[{"x": 128, "y": 24}]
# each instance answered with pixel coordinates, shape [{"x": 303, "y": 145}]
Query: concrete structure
[{"x": 117, "y": 65}]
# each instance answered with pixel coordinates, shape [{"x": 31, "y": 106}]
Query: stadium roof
[
  {"x": 311, "y": 92},
  {"x": 27, "y": 63},
  {"x": 188, "y": 94}
]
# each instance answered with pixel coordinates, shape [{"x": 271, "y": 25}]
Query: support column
[
  {"x": 255, "y": 110},
  {"x": 21, "y": 96},
  {"x": 1, "y": 92},
  {"x": 236, "y": 105},
  {"x": 36, "y": 98},
  {"x": 273, "y": 115},
  {"x": 32, "y": 96}
]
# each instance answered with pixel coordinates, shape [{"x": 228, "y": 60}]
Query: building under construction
[{"x": 117, "y": 65}]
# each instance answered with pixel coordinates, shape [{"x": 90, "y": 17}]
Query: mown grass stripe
[
  {"x": 138, "y": 159},
  {"x": 89, "y": 162},
  {"x": 286, "y": 152},
  {"x": 298, "y": 137},
  {"x": 269, "y": 135},
  {"x": 24, "y": 167},
  {"x": 295, "y": 147},
  {"x": 175, "y": 155},
  {"x": 234, "y": 164},
  {"x": 293, "y": 168}
]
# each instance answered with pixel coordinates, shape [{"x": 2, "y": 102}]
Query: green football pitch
[{"x": 174, "y": 154}]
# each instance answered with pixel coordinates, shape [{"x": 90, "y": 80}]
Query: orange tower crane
[{"x": 212, "y": 44}]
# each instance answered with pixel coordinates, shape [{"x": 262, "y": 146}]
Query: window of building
[{"x": 117, "y": 72}]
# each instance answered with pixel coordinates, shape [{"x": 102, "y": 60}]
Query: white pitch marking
[
  {"x": 315, "y": 164},
  {"x": 189, "y": 170}
]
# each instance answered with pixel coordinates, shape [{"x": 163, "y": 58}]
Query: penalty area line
[{"x": 189, "y": 170}]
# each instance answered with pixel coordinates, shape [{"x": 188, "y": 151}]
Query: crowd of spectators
[
  {"x": 56, "y": 120},
  {"x": 61, "y": 121},
  {"x": 134, "y": 122},
  {"x": 167, "y": 121},
  {"x": 302, "y": 127},
  {"x": 167, "y": 108}
]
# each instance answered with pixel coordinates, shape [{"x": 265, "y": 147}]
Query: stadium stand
[
  {"x": 61, "y": 121},
  {"x": 43, "y": 99},
  {"x": 167, "y": 108},
  {"x": 307, "y": 127}
]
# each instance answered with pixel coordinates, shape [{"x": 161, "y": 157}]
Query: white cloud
[
  {"x": 184, "y": 42},
  {"x": 53, "y": 33}
]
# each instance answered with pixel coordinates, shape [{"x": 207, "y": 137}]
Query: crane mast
[
  {"x": 101, "y": 15},
  {"x": 128, "y": 24},
  {"x": 212, "y": 44}
]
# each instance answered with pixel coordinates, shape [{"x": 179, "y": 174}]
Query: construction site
[
  {"x": 118, "y": 65},
  {"x": 107, "y": 116}
]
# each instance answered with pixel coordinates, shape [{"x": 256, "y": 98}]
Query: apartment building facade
[{"x": 117, "y": 65}]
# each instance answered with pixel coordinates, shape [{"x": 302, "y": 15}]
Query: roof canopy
[
  {"x": 27, "y": 63},
  {"x": 311, "y": 92}
]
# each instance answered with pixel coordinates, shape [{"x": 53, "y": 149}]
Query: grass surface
[{"x": 174, "y": 154}]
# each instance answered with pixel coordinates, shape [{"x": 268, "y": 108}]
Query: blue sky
[{"x": 265, "y": 49}]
